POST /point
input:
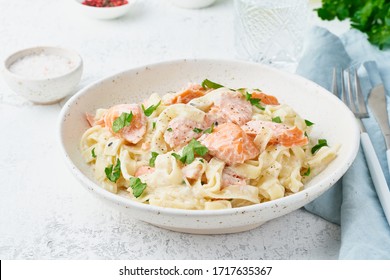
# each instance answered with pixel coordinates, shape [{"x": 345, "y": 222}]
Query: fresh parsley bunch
[{"x": 369, "y": 16}]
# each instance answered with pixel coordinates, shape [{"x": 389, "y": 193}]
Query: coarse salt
[{"x": 42, "y": 66}]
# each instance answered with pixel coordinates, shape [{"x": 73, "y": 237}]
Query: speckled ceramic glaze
[
  {"x": 332, "y": 119},
  {"x": 46, "y": 90}
]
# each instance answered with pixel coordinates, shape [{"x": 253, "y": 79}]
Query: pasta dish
[{"x": 204, "y": 147}]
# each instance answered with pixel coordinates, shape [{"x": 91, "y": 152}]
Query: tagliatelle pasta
[{"x": 205, "y": 147}]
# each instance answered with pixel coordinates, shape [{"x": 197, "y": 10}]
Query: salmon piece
[
  {"x": 145, "y": 146},
  {"x": 143, "y": 170},
  {"x": 92, "y": 121},
  {"x": 185, "y": 96},
  {"x": 180, "y": 131},
  {"x": 230, "y": 178},
  {"x": 282, "y": 134},
  {"x": 229, "y": 143},
  {"x": 231, "y": 106},
  {"x": 265, "y": 98},
  {"x": 132, "y": 133}
]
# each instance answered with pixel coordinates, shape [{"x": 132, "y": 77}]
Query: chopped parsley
[
  {"x": 150, "y": 109},
  {"x": 137, "y": 186},
  {"x": 197, "y": 130},
  {"x": 153, "y": 159},
  {"x": 123, "y": 120},
  {"x": 176, "y": 156},
  {"x": 209, "y": 84},
  {"x": 210, "y": 129},
  {"x": 307, "y": 173},
  {"x": 113, "y": 172},
  {"x": 321, "y": 143},
  {"x": 308, "y": 123},
  {"x": 169, "y": 129},
  {"x": 277, "y": 120},
  {"x": 254, "y": 101},
  {"x": 189, "y": 151},
  {"x": 93, "y": 153},
  {"x": 154, "y": 125}
]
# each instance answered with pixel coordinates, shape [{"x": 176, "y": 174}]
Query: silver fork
[{"x": 352, "y": 96}]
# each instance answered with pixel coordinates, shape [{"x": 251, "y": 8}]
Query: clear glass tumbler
[{"x": 271, "y": 31}]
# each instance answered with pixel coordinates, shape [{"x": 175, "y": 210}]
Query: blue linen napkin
[{"x": 352, "y": 202}]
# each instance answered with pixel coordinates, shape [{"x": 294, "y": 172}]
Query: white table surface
[{"x": 46, "y": 213}]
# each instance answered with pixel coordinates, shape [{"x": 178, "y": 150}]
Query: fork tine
[
  {"x": 359, "y": 96},
  {"x": 352, "y": 96},
  {"x": 335, "y": 90},
  {"x": 343, "y": 95}
]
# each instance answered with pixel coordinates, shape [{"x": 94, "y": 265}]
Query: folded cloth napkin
[{"x": 352, "y": 202}]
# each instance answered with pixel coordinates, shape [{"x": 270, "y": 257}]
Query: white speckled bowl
[
  {"x": 192, "y": 4},
  {"x": 48, "y": 90},
  {"x": 332, "y": 119},
  {"x": 103, "y": 12}
]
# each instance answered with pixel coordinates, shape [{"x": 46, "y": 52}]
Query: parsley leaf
[
  {"x": 210, "y": 129},
  {"x": 153, "y": 159},
  {"x": 150, "y": 109},
  {"x": 369, "y": 16},
  {"x": 154, "y": 125},
  {"x": 93, "y": 153},
  {"x": 277, "y": 120},
  {"x": 113, "y": 172},
  {"x": 197, "y": 130},
  {"x": 308, "y": 123},
  {"x": 307, "y": 173},
  {"x": 254, "y": 101},
  {"x": 123, "y": 120},
  {"x": 209, "y": 84},
  {"x": 169, "y": 129},
  {"x": 189, "y": 151},
  {"x": 137, "y": 186},
  {"x": 176, "y": 156},
  {"x": 321, "y": 143}
]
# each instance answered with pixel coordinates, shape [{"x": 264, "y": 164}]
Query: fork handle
[
  {"x": 388, "y": 159},
  {"x": 377, "y": 175}
]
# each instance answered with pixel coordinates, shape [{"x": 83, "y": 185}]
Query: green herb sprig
[
  {"x": 277, "y": 120},
  {"x": 369, "y": 16},
  {"x": 122, "y": 121},
  {"x": 308, "y": 123},
  {"x": 210, "y": 129},
  {"x": 153, "y": 159},
  {"x": 254, "y": 101},
  {"x": 307, "y": 173},
  {"x": 149, "y": 111},
  {"x": 137, "y": 186},
  {"x": 93, "y": 153},
  {"x": 189, "y": 151},
  {"x": 209, "y": 84},
  {"x": 321, "y": 143},
  {"x": 113, "y": 172}
]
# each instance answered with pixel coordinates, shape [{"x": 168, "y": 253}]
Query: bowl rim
[
  {"x": 27, "y": 51},
  {"x": 326, "y": 183}
]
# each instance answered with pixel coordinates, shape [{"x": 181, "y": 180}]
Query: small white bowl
[
  {"x": 192, "y": 4},
  {"x": 50, "y": 89},
  {"x": 103, "y": 12}
]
